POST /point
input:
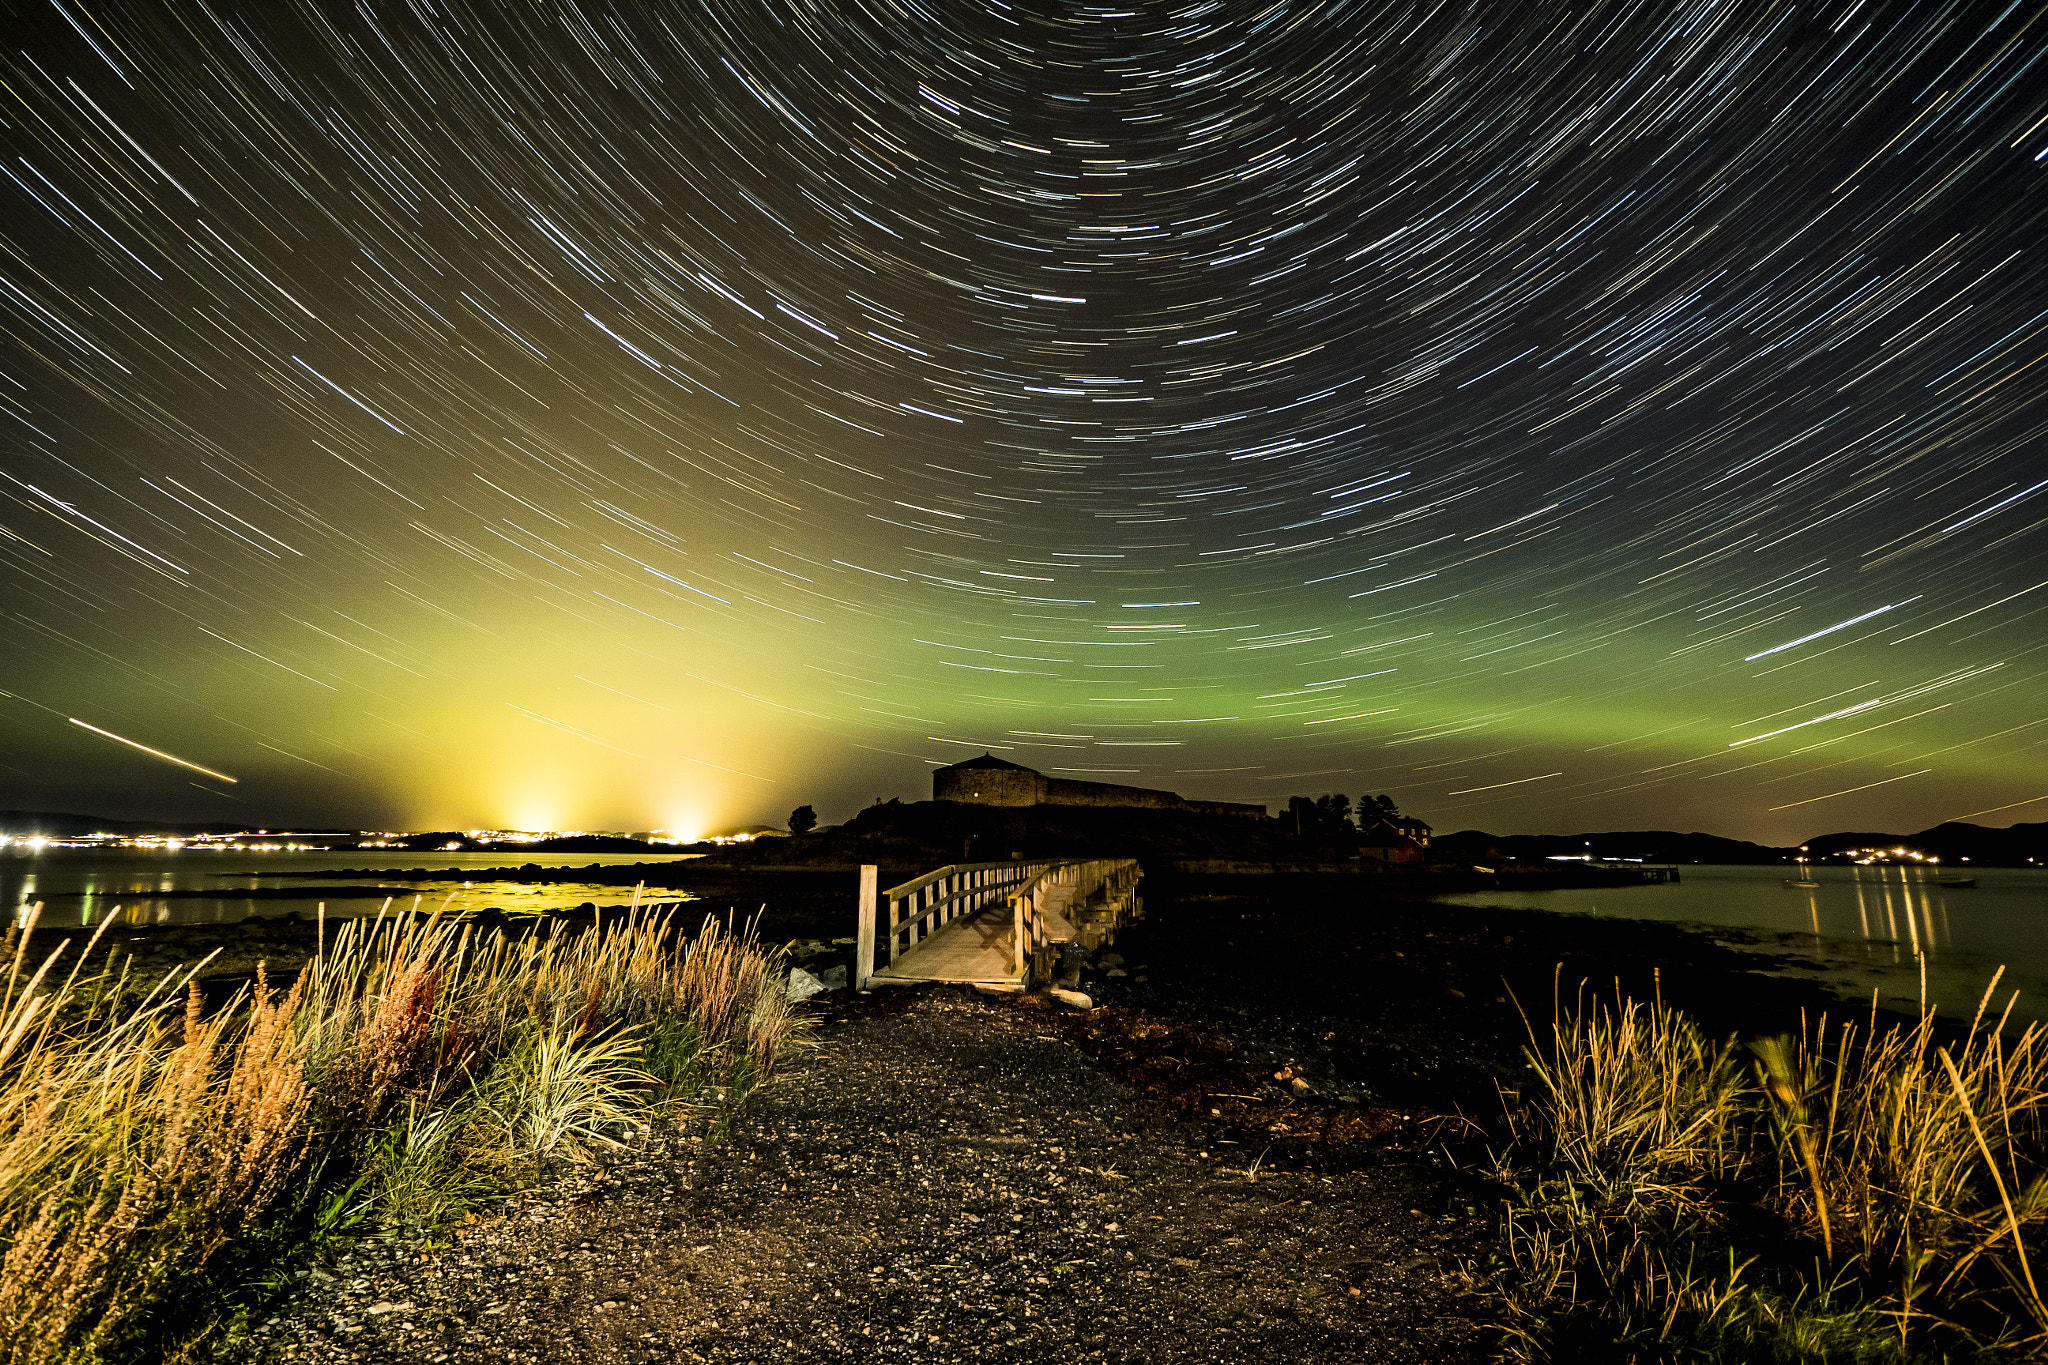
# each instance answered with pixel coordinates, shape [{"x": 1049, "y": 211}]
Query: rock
[
  {"x": 1116, "y": 971},
  {"x": 802, "y": 985},
  {"x": 834, "y": 978},
  {"x": 1109, "y": 960},
  {"x": 1072, "y": 998},
  {"x": 1299, "y": 1086}
]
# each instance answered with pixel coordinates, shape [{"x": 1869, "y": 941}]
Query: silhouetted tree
[
  {"x": 1381, "y": 806},
  {"x": 1326, "y": 814},
  {"x": 802, "y": 820},
  {"x": 1335, "y": 810},
  {"x": 1301, "y": 814}
]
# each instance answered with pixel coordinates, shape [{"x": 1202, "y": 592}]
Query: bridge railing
[
  {"x": 921, "y": 906},
  {"x": 1073, "y": 886}
]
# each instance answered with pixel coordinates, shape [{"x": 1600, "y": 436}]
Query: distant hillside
[
  {"x": 1827, "y": 845},
  {"x": 63, "y": 825},
  {"x": 1648, "y": 845},
  {"x": 1952, "y": 842},
  {"x": 455, "y": 840},
  {"x": 933, "y": 833},
  {"x": 2015, "y": 846}
]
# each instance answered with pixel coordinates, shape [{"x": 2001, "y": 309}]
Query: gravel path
[{"x": 947, "y": 1178}]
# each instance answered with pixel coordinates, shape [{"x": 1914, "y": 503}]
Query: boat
[
  {"x": 1955, "y": 881},
  {"x": 1802, "y": 884}
]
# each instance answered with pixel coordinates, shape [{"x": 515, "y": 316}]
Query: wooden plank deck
[{"x": 980, "y": 947}]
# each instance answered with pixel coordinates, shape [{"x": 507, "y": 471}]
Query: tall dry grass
[
  {"x": 1860, "y": 1190},
  {"x": 155, "y": 1152}
]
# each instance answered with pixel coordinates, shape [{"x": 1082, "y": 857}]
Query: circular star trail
[{"x": 550, "y": 415}]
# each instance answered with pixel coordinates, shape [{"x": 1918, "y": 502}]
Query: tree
[
  {"x": 802, "y": 820},
  {"x": 1381, "y": 805},
  {"x": 1335, "y": 811},
  {"x": 1326, "y": 814},
  {"x": 1301, "y": 813}
]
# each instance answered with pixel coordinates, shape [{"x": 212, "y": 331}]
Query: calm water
[
  {"x": 1865, "y": 927},
  {"x": 79, "y": 886}
]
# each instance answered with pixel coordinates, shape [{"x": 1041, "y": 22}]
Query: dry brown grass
[
  {"x": 1922, "y": 1160},
  {"x": 1860, "y": 1190},
  {"x": 416, "y": 1063}
]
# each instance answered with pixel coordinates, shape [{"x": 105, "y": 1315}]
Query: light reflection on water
[
  {"x": 82, "y": 886},
  {"x": 1864, "y": 927}
]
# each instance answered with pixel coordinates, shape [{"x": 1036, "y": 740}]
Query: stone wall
[
  {"x": 1009, "y": 785},
  {"x": 991, "y": 786},
  {"x": 1238, "y": 809},
  {"x": 1062, "y": 791}
]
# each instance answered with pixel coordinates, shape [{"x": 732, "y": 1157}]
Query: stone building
[{"x": 990, "y": 781}]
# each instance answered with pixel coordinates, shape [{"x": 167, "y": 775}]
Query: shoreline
[
  {"x": 1260, "y": 1042},
  {"x": 816, "y": 905},
  {"x": 1220, "y": 936},
  {"x": 1245, "y": 1132}
]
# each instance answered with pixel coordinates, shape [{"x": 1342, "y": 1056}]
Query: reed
[
  {"x": 156, "y": 1156},
  {"x": 1859, "y": 1190}
]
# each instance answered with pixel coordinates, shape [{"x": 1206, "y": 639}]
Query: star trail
[{"x": 638, "y": 415}]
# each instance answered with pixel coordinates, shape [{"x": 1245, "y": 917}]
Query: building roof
[
  {"x": 1398, "y": 823},
  {"x": 987, "y": 761}
]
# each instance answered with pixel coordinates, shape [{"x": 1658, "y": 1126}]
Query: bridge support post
[
  {"x": 864, "y": 935},
  {"x": 1044, "y": 966}
]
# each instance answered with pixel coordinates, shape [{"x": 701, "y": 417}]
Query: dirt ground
[{"x": 946, "y": 1178}]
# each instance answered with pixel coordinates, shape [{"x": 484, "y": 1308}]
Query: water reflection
[
  {"x": 1862, "y": 927},
  {"x": 146, "y": 887},
  {"x": 1916, "y": 901}
]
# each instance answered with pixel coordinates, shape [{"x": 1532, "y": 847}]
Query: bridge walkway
[{"x": 984, "y": 923}]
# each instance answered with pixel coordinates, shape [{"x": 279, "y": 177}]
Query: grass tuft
[
  {"x": 1857, "y": 1191},
  {"x": 160, "y": 1157}
]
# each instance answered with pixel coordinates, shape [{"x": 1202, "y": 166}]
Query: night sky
[{"x": 632, "y": 415}]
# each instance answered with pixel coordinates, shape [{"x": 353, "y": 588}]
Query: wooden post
[
  {"x": 864, "y": 934},
  {"x": 1017, "y": 942}
]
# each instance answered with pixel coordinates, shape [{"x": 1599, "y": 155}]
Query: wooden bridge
[{"x": 990, "y": 923}]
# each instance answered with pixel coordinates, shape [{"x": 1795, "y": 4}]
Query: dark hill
[
  {"x": 1646, "y": 845},
  {"x": 581, "y": 843},
  {"x": 1827, "y": 845},
  {"x": 933, "y": 833},
  {"x": 2016, "y": 846},
  {"x": 1952, "y": 842},
  {"x": 64, "y": 825}
]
